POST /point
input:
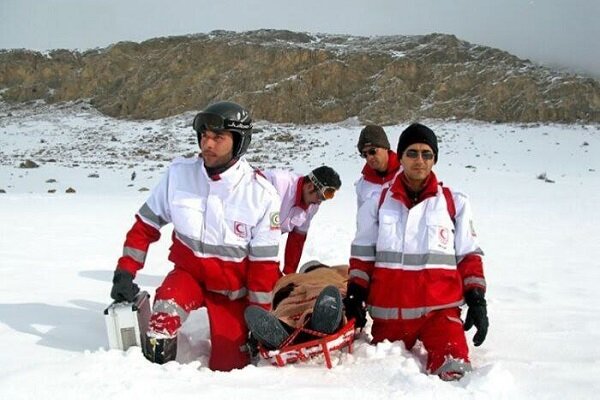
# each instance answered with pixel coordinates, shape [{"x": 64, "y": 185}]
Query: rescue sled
[{"x": 324, "y": 344}]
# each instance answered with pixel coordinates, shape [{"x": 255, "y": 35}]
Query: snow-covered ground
[{"x": 58, "y": 251}]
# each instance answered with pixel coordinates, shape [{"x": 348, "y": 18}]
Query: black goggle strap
[{"x": 214, "y": 122}]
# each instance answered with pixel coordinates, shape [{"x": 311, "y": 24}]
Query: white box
[{"x": 127, "y": 323}]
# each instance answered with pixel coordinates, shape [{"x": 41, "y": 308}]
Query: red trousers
[
  {"x": 228, "y": 331},
  {"x": 441, "y": 333}
]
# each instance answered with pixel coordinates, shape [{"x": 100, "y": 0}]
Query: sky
[
  {"x": 557, "y": 33},
  {"x": 58, "y": 252}
]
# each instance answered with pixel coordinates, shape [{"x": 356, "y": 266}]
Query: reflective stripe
[
  {"x": 260, "y": 297},
  {"x": 137, "y": 255},
  {"x": 431, "y": 259},
  {"x": 383, "y": 312},
  {"x": 232, "y": 294},
  {"x": 217, "y": 250},
  {"x": 149, "y": 215},
  {"x": 415, "y": 261},
  {"x": 357, "y": 273},
  {"x": 477, "y": 251},
  {"x": 418, "y": 312},
  {"x": 264, "y": 251},
  {"x": 362, "y": 251},
  {"x": 391, "y": 257},
  {"x": 169, "y": 307},
  {"x": 452, "y": 365},
  {"x": 474, "y": 281},
  {"x": 407, "y": 313}
]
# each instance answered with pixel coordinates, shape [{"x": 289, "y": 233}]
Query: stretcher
[{"x": 324, "y": 344}]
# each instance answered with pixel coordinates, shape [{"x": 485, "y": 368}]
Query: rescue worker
[
  {"x": 381, "y": 166},
  {"x": 301, "y": 197},
  {"x": 417, "y": 260},
  {"x": 225, "y": 217},
  {"x": 381, "y": 163},
  {"x": 310, "y": 298}
]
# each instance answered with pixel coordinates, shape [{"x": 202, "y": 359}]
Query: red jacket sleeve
[
  {"x": 136, "y": 245},
  {"x": 262, "y": 276},
  {"x": 293, "y": 251},
  {"x": 360, "y": 272},
  {"x": 470, "y": 269}
]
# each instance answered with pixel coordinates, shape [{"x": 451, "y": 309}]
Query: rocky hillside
[{"x": 304, "y": 78}]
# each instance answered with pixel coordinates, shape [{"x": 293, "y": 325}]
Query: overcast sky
[{"x": 552, "y": 32}]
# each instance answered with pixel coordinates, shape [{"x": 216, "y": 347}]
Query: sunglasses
[
  {"x": 371, "y": 152},
  {"x": 214, "y": 122},
  {"x": 425, "y": 155},
  {"x": 325, "y": 192}
]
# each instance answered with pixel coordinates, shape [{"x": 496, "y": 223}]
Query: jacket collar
[
  {"x": 373, "y": 176},
  {"x": 231, "y": 175},
  {"x": 299, "y": 202},
  {"x": 401, "y": 192}
]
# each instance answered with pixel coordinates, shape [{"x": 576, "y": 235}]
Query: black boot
[
  {"x": 327, "y": 312},
  {"x": 265, "y": 327},
  {"x": 160, "y": 350}
]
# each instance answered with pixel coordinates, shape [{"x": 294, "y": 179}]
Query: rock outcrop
[{"x": 294, "y": 77}]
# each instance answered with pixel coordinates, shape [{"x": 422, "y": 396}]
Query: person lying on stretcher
[{"x": 311, "y": 298}]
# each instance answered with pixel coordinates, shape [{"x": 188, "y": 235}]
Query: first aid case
[{"x": 127, "y": 322}]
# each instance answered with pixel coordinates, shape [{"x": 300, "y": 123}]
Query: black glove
[
  {"x": 354, "y": 304},
  {"x": 123, "y": 287},
  {"x": 252, "y": 346},
  {"x": 477, "y": 314}
]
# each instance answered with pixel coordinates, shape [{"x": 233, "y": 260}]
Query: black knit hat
[
  {"x": 373, "y": 135},
  {"x": 327, "y": 177},
  {"x": 417, "y": 133}
]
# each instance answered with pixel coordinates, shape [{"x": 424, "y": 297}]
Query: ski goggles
[
  {"x": 370, "y": 152},
  {"x": 214, "y": 122},
  {"x": 425, "y": 155},
  {"x": 325, "y": 192}
]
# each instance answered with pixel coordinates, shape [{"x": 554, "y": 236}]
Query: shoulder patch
[
  {"x": 472, "y": 228},
  {"x": 274, "y": 220}
]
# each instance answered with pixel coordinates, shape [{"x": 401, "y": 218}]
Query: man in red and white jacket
[
  {"x": 415, "y": 260},
  {"x": 226, "y": 234},
  {"x": 381, "y": 163},
  {"x": 301, "y": 197}
]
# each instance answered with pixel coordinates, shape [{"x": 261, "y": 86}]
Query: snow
[{"x": 58, "y": 251}]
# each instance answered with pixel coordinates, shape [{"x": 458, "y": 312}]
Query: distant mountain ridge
[{"x": 285, "y": 76}]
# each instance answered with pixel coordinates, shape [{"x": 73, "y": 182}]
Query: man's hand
[
  {"x": 354, "y": 304},
  {"x": 477, "y": 315},
  {"x": 123, "y": 287}
]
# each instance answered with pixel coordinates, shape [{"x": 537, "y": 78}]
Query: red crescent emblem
[
  {"x": 239, "y": 229},
  {"x": 443, "y": 233}
]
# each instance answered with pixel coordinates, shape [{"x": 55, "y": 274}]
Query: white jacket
[
  {"x": 415, "y": 260},
  {"x": 289, "y": 186},
  {"x": 294, "y": 213},
  {"x": 226, "y": 231}
]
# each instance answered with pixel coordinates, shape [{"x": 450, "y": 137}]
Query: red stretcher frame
[{"x": 324, "y": 344}]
